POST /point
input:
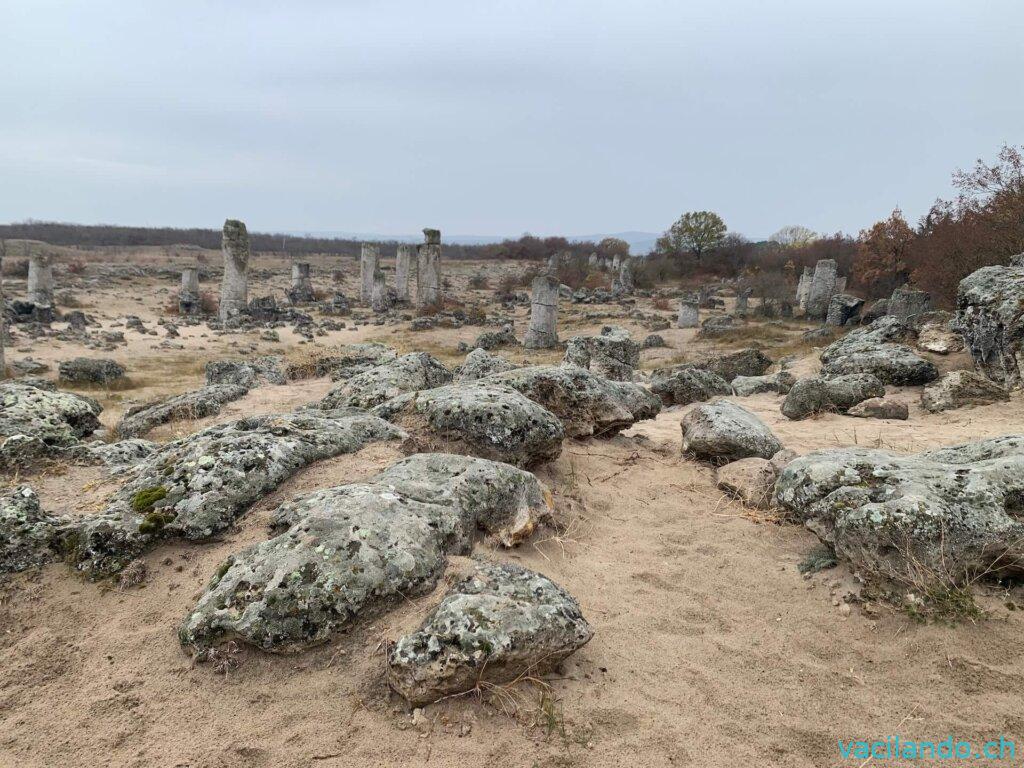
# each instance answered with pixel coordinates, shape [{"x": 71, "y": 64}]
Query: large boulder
[
  {"x": 814, "y": 394},
  {"x": 781, "y": 382},
  {"x": 722, "y": 432},
  {"x": 587, "y": 405},
  {"x": 37, "y": 420},
  {"x": 29, "y": 537},
  {"x": 745, "y": 362},
  {"x": 90, "y": 371},
  {"x": 198, "y": 404},
  {"x": 613, "y": 354},
  {"x": 946, "y": 515},
  {"x": 121, "y": 455},
  {"x": 682, "y": 386},
  {"x": 196, "y": 487},
  {"x": 847, "y": 390},
  {"x": 959, "y": 389},
  {"x": 249, "y": 373},
  {"x": 494, "y": 626},
  {"x": 990, "y": 316},
  {"x": 480, "y": 363},
  {"x": 842, "y": 309},
  {"x": 486, "y": 420},
  {"x": 343, "y": 550},
  {"x": 343, "y": 363},
  {"x": 408, "y": 373},
  {"x": 807, "y": 397},
  {"x": 874, "y": 349}
]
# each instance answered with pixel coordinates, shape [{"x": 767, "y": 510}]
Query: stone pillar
[
  {"x": 379, "y": 299},
  {"x": 689, "y": 314},
  {"x": 542, "y": 332},
  {"x": 823, "y": 286},
  {"x": 592, "y": 261},
  {"x": 403, "y": 267},
  {"x": 40, "y": 280},
  {"x": 234, "y": 288},
  {"x": 553, "y": 262},
  {"x": 616, "y": 263},
  {"x": 189, "y": 298},
  {"x": 906, "y": 302},
  {"x": 428, "y": 268},
  {"x": 803, "y": 288},
  {"x": 626, "y": 275},
  {"x": 369, "y": 261},
  {"x": 742, "y": 303},
  {"x": 302, "y": 287}
]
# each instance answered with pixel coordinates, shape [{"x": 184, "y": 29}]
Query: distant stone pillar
[
  {"x": 189, "y": 298},
  {"x": 369, "y": 261},
  {"x": 823, "y": 287},
  {"x": 626, "y": 275},
  {"x": 616, "y": 263},
  {"x": 40, "y": 280},
  {"x": 592, "y": 261},
  {"x": 742, "y": 303},
  {"x": 689, "y": 314},
  {"x": 542, "y": 332},
  {"x": 403, "y": 267},
  {"x": 428, "y": 268},
  {"x": 234, "y": 287},
  {"x": 553, "y": 261},
  {"x": 379, "y": 299},
  {"x": 803, "y": 288},
  {"x": 302, "y": 286}
]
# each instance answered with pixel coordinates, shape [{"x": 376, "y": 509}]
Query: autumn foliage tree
[{"x": 880, "y": 263}]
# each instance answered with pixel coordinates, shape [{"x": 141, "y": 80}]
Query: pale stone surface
[
  {"x": 369, "y": 262},
  {"x": 302, "y": 287},
  {"x": 189, "y": 297},
  {"x": 403, "y": 269},
  {"x": 428, "y": 268},
  {"x": 40, "y": 280},
  {"x": 379, "y": 298},
  {"x": 803, "y": 289},
  {"x": 906, "y": 303},
  {"x": 234, "y": 287},
  {"x": 689, "y": 314},
  {"x": 823, "y": 286},
  {"x": 542, "y": 332}
]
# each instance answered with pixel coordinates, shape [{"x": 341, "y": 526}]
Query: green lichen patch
[{"x": 147, "y": 497}]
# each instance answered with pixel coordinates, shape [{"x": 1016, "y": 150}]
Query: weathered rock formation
[
  {"x": 369, "y": 263},
  {"x": 689, "y": 314},
  {"x": 40, "y": 280},
  {"x": 613, "y": 354},
  {"x": 723, "y": 432},
  {"x": 542, "y": 332},
  {"x": 234, "y": 287},
  {"x": 301, "y": 291},
  {"x": 403, "y": 270},
  {"x": 189, "y": 297},
  {"x": 959, "y": 389},
  {"x": 990, "y": 316},
  {"x": 408, "y": 373},
  {"x": 428, "y": 268}
]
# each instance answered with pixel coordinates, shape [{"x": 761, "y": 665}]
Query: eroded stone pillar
[
  {"x": 369, "y": 261},
  {"x": 379, "y": 298},
  {"x": 234, "y": 287},
  {"x": 189, "y": 298},
  {"x": 542, "y": 332},
  {"x": 403, "y": 268},
  {"x": 626, "y": 275},
  {"x": 823, "y": 287},
  {"x": 40, "y": 280},
  {"x": 689, "y": 314},
  {"x": 803, "y": 288},
  {"x": 301, "y": 291},
  {"x": 428, "y": 268}
]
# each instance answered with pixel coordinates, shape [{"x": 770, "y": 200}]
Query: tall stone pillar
[
  {"x": 626, "y": 283},
  {"x": 803, "y": 288},
  {"x": 369, "y": 261},
  {"x": 428, "y": 268},
  {"x": 542, "y": 332},
  {"x": 823, "y": 286},
  {"x": 40, "y": 280},
  {"x": 689, "y": 314},
  {"x": 301, "y": 291},
  {"x": 189, "y": 298},
  {"x": 742, "y": 303},
  {"x": 403, "y": 268},
  {"x": 234, "y": 287},
  {"x": 379, "y": 299}
]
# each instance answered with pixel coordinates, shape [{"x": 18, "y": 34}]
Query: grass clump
[{"x": 147, "y": 497}]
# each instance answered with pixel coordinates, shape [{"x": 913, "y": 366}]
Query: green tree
[{"x": 695, "y": 232}]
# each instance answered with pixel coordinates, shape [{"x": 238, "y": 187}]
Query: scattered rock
[
  {"x": 990, "y": 315},
  {"x": 29, "y": 537},
  {"x": 408, "y": 373},
  {"x": 959, "y": 389},
  {"x": 198, "y": 404},
  {"x": 494, "y": 626},
  {"x": 745, "y": 362},
  {"x": 723, "y": 432},
  {"x": 745, "y": 386},
  {"x": 880, "y": 408},
  {"x": 38, "y": 420},
  {"x": 871, "y": 350},
  {"x": 612, "y": 355},
  {"x": 90, "y": 371},
  {"x": 751, "y": 480},
  {"x": 684, "y": 385},
  {"x": 480, "y": 363}
]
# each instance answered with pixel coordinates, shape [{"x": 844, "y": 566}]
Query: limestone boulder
[
  {"x": 880, "y": 408},
  {"x": 408, "y": 373},
  {"x": 722, "y": 432},
  {"x": 990, "y": 316},
  {"x": 197, "y": 404},
  {"x": 875, "y": 349},
  {"x": 249, "y": 373},
  {"x": 684, "y": 385},
  {"x": 959, "y": 389},
  {"x": 945, "y": 515},
  {"x": 37, "y": 420},
  {"x": 745, "y": 362},
  {"x": 89, "y": 371},
  {"x": 746, "y": 386},
  {"x": 494, "y": 626},
  {"x": 29, "y": 537},
  {"x": 612, "y": 355},
  {"x": 480, "y": 363},
  {"x": 490, "y": 421},
  {"x": 751, "y": 480},
  {"x": 341, "y": 551}
]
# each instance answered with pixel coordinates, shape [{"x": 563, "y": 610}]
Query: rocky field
[{"x": 325, "y": 530}]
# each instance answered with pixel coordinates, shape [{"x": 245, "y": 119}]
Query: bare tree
[{"x": 793, "y": 234}]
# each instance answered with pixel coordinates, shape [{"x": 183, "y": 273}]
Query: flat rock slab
[
  {"x": 198, "y": 404},
  {"x": 408, "y": 373},
  {"x": 489, "y": 421},
  {"x": 497, "y": 625},
  {"x": 352, "y": 547},
  {"x": 947, "y": 514}
]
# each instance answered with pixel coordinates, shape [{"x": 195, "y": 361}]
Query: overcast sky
[{"x": 483, "y": 117}]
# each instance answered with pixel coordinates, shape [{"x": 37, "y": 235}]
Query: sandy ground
[{"x": 710, "y": 649}]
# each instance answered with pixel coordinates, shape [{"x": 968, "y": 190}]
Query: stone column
[
  {"x": 906, "y": 302},
  {"x": 689, "y": 314},
  {"x": 616, "y": 263},
  {"x": 234, "y": 288},
  {"x": 626, "y": 275},
  {"x": 542, "y": 332},
  {"x": 189, "y": 298},
  {"x": 803, "y": 288},
  {"x": 742, "y": 303},
  {"x": 302, "y": 286},
  {"x": 403, "y": 267},
  {"x": 553, "y": 261},
  {"x": 40, "y": 280},
  {"x": 369, "y": 261},
  {"x": 428, "y": 268},
  {"x": 592, "y": 261},
  {"x": 379, "y": 299},
  {"x": 823, "y": 286}
]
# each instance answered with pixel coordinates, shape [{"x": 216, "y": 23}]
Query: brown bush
[{"x": 76, "y": 267}]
